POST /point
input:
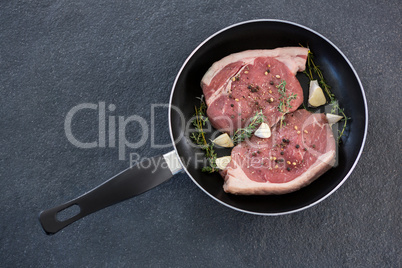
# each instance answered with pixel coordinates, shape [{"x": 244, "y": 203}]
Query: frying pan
[{"x": 255, "y": 34}]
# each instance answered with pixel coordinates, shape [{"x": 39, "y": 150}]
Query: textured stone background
[{"x": 57, "y": 54}]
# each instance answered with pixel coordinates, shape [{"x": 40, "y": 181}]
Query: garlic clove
[
  {"x": 333, "y": 118},
  {"x": 222, "y": 162},
  {"x": 316, "y": 95},
  {"x": 263, "y": 131},
  {"x": 223, "y": 140}
]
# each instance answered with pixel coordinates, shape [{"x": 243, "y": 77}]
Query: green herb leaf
[
  {"x": 311, "y": 69},
  {"x": 284, "y": 103},
  {"x": 243, "y": 133},
  {"x": 198, "y": 137}
]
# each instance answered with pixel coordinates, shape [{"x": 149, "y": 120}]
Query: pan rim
[{"x": 365, "y": 123}]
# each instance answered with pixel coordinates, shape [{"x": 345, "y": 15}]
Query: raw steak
[
  {"x": 294, "y": 156},
  {"x": 239, "y": 85}
]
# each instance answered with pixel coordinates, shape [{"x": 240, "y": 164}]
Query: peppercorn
[
  {"x": 288, "y": 169},
  {"x": 268, "y": 71},
  {"x": 271, "y": 82},
  {"x": 282, "y": 153},
  {"x": 232, "y": 105},
  {"x": 297, "y": 146}
]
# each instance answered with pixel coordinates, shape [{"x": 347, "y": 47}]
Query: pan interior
[{"x": 268, "y": 35}]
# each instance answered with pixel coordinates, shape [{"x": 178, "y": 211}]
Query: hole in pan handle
[{"x": 129, "y": 183}]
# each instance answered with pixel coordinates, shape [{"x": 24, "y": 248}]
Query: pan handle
[{"x": 129, "y": 183}]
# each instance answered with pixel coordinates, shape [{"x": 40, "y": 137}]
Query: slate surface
[{"x": 55, "y": 55}]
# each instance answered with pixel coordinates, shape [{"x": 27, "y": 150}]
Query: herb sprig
[
  {"x": 284, "y": 103},
  {"x": 335, "y": 108},
  {"x": 199, "y": 137},
  {"x": 243, "y": 133}
]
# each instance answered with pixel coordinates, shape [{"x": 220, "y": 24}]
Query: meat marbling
[
  {"x": 239, "y": 85},
  {"x": 293, "y": 157}
]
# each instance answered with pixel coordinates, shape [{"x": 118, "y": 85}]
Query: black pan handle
[{"x": 129, "y": 183}]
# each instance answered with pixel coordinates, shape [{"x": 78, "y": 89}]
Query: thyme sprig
[
  {"x": 336, "y": 109},
  {"x": 284, "y": 101},
  {"x": 198, "y": 137},
  {"x": 312, "y": 69},
  {"x": 243, "y": 133}
]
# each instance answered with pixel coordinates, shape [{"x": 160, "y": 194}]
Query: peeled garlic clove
[
  {"x": 263, "y": 131},
  {"x": 222, "y": 162},
  {"x": 316, "y": 96},
  {"x": 333, "y": 118},
  {"x": 223, "y": 140}
]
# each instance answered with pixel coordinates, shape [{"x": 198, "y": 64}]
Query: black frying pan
[{"x": 257, "y": 34}]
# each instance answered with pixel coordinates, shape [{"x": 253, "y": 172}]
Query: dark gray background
[{"x": 57, "y": 54}]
